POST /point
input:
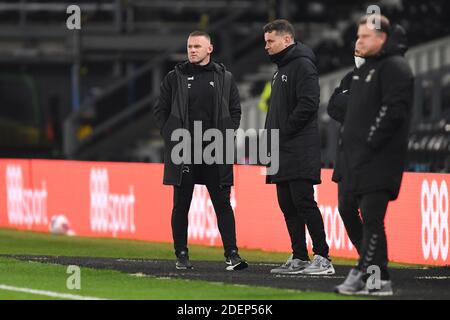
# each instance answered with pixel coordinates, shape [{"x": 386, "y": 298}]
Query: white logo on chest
[
  {"x": 274, "y": 77},
  {"x": 369, "y": 76}
]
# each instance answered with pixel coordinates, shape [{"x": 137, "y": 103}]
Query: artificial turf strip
[
  {"x": 15, "y": 242},
  {"x": 108, "y": 284}
]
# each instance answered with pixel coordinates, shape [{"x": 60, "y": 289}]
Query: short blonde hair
[{"x": 385, "y": 25}]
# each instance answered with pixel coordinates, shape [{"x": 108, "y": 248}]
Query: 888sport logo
[{"x": 434, "y": 207}]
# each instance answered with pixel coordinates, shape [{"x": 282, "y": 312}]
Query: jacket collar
[{"x": 185, "y": 66}]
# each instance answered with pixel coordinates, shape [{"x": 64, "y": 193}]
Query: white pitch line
[
  {"x": 433, "y": 278},
  {"x": 307, "y": 276},
  {"x": 265, "y": 264},
  {"x": 48, "y": 293}
]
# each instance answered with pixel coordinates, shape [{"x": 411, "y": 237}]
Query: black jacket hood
[
  {"x": 396, "y": 42},
  {"x": 293, "y": 52}
]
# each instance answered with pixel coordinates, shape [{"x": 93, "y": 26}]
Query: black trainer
[
  {"x": 235, "y": 262},
  {"x": 183, "y": 261}
]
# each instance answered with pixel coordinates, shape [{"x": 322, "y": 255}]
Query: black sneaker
[
  {"x": 235, "y": 262},
  {"x": 183, "y": 261}
]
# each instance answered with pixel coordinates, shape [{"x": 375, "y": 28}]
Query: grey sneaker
[
  {"x": 353, "y": 285},
  {"x": 235, "y": 262},
  {"x": 183, "y": 261},
  {"x": 319, "y": 266},
  {"x": 284, "y": 266},
  {"x": 384, "y": 290},
  {"x": 292, "y": 266}
]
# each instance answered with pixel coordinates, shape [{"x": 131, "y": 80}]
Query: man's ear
[
  {"x": 287, "y": 40},
  {"x": 210, "y": 48}
]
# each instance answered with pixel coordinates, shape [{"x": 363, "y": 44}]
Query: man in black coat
[
  {"x": 347, "y": 201},
  {"x": 374, "y": 144},
  {"x": 293, "y": 110},
  {"x": 198, "y": 95}
]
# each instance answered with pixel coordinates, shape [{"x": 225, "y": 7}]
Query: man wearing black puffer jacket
[
  {"x": 347, "y": 201},
  {"x": 374, "y": 143},
  {"x": 199, "y": 94},
  {"x": 293, "y": 110}
]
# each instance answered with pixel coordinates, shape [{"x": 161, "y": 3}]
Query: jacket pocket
[
  {"x": 171, "y": 124},
  {"x": 362, "y": 157}
]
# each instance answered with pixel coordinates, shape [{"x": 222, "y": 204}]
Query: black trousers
[
  {"x": 374, "y": 245},
  {"x": 349, "y": 211},
  {"x": 220, "y": 197},
  {"x": 296, "y": 200}
]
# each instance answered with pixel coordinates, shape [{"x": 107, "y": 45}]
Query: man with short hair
[
  {"x": 293, "y": 110},
  {"x": 374, "y": 143},
  {"x": 199, "y": 91}
]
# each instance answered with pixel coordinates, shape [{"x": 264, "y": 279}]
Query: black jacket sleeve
[
  {"x": 235, "y": 105},
  {"x": 162, "y": 107},
  {"x": 307, "y": 95},
  {"x": 337, "y": 106},
  {"x": 397, "y": 87}
]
